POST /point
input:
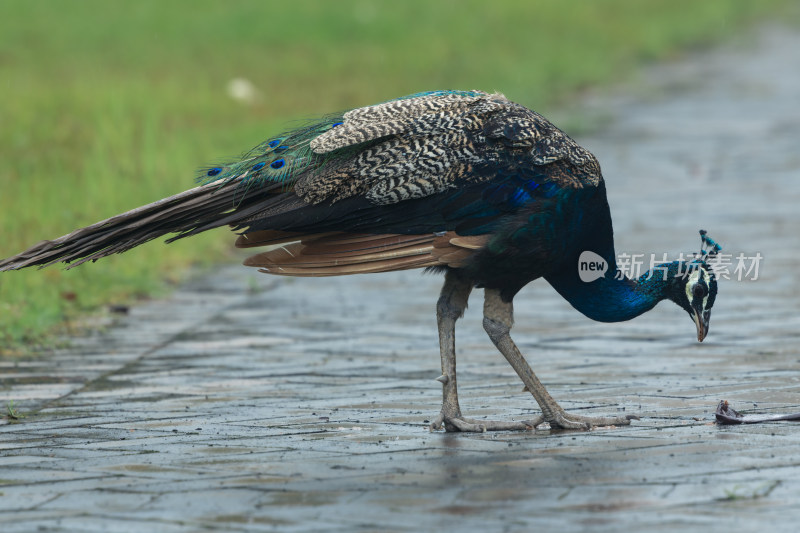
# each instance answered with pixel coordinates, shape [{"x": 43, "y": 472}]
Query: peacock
[{"x": 464, "y": 183}]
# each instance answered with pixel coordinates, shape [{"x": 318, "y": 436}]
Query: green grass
[{"x": 108, "y": 105}]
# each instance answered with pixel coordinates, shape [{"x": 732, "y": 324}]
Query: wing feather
[
  {"x": 428, "y": 144},
  {"x": 345, "y": 253}
]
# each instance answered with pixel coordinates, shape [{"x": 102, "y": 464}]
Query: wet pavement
[{"x": 249, "y": 403}]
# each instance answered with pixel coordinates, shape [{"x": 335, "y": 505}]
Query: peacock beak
[{"x": 701, "y": 321}]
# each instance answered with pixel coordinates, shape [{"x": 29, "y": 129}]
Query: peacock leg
[
  {"x": 498, "y": 318},
  {"x": 450, "y": 307}
]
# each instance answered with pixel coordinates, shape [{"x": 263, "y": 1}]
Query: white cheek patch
[
  {"x": 695, "y": 277},
  {"x": 707, "y": 280}
]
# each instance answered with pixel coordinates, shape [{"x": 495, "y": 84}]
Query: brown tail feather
[
  {"x": 455, "y": 259},
  {"x": 338, "y": 246},
  {"x": 341, "y": 254},
  {"x": 297, "y": 255},
  {"x": 387, "y": 265}
]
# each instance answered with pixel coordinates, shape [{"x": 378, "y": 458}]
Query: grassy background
[{"x": 108, "y": 105}]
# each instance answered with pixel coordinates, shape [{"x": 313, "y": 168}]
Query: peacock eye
[{"x": 699, "y": 291}]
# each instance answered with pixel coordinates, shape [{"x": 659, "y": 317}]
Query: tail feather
[{"x": 198, "y": 209}]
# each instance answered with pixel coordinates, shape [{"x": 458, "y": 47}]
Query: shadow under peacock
[{"x": 466, "y": 183}]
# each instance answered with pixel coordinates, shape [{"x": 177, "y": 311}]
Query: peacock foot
[
  {"x": 560, "y": 419},
  {"x": 457, "y": 422}
]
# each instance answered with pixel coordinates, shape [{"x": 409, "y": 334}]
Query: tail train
[{"x": 187, "y": 213}]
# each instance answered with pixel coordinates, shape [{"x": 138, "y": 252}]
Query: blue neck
[{"x": 613, "y": 299}]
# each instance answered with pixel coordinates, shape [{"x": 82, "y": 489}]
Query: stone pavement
[{"x": 250, "y": 403}]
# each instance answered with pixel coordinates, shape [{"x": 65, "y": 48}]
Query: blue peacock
[{"x": 466, "y": 183}]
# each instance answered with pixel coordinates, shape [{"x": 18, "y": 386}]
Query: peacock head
[
  {"x": 694, "y": 286},
  {"x": 695, "y": 291}
]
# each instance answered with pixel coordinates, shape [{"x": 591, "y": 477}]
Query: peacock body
[{"x": 464, "y": 182}]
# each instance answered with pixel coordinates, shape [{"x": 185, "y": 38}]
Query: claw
[
  {"x": 564, "y": 420},
  {"x": 459, "y": 423},
  {"x": 437, "y": 423}
]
